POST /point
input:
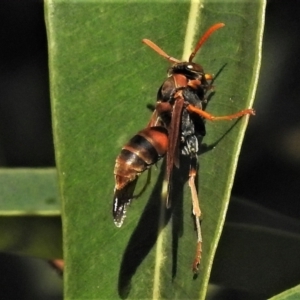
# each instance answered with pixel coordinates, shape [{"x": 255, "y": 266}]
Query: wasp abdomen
[{"x": 140, "y": 153}]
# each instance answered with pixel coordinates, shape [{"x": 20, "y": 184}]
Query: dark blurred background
[
  {"x": 269, "y": 165},
  {"x": 25, "y": 131}
]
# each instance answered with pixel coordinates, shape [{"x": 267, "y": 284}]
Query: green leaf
[
  {"x": 29, "y": 192},
  {"x": 257, "y": 240},
  {"x": 102, "y": 77},
  {"x": 256, "y": 259},
  {"x": 30, "y": 212},
  {"x": 291, "y": 294},
  {"x": 37, "y": 236}
]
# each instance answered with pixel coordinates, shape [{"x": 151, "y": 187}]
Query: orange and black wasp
[{"x": 175, "y": 128}]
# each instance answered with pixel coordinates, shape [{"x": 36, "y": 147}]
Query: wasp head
[{"x": 189, "y": 69}]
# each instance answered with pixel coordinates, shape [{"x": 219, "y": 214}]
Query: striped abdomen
[{"x": 140, "y": 153}]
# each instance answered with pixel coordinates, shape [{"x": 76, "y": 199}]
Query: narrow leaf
[
  {"x": 29, "y": 192},
  {"x": 102, "y": 78},
  {"x": 30, "y": 212},
  {"x": 291, "y": 294}
]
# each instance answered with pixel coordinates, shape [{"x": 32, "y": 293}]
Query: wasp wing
[{"x": 174, "y": 142}]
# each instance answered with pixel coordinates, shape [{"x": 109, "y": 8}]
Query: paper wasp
[{"x": 176, "y": 126}]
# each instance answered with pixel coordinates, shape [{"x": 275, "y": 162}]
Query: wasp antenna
[
  {"x": 204, "y": 38},
  {"x": 160, "y": 51}
]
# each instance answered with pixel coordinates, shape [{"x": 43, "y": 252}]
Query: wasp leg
[
  {"x": 145, "y": 185},
  {"x": 210, "y": 117},
  {"x": 197, "y": 215}
]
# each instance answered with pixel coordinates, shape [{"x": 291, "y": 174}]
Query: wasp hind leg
[
  {"x": 148, "y": 181},
  {"x": 196, "y": 214}
]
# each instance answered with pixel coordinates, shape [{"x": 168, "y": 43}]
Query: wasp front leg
[{"x": 211, "y": 117}]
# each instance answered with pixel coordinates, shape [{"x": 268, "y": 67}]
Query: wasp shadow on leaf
[
  {"x": 150, "y": 224},
  {"x": 179, "y": 178},
  {"x": 219, "y": 73},
  {"x": 206, "y": 148},
  {"x": 144, "y": 236}
]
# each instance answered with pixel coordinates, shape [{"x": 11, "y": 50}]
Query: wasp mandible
[{"x": 176, "y": 127}]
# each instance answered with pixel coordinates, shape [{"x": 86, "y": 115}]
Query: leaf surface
[
  {"x": 102, "y": 78},
  {"x": 30, "y": 211}
]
